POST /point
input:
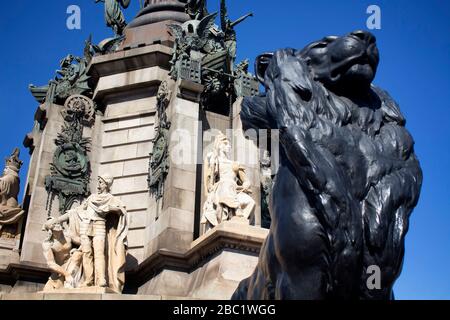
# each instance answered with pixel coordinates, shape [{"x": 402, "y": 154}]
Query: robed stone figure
[
  {"x": 91, "y": 252},
  {"x": 227, "y": 187}
]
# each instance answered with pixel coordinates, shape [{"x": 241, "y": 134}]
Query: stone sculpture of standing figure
[
  {"x": 227, "y": 187},
  {"x": 113, "y": 14},
  {"x": 99, "y": 228}
]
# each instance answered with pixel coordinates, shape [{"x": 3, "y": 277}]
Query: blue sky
[{"x": 415, "y": 48}]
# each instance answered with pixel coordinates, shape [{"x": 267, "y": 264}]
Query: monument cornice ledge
[
  {"x": 120, "y": 83},
  {"x": 57, "y": 296},
  {"x": 129, "y": 60},
  {"x": 228, "y": 235},
  {"x": 24, "y": 272}
]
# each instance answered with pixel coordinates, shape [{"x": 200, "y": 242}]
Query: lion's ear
[{"x": 261, "y": 64}]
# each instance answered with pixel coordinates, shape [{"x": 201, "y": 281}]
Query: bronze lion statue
[{"x": 348, "y": 178}]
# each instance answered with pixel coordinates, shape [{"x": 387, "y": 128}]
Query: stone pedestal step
[{"x": 85, "y": 296}]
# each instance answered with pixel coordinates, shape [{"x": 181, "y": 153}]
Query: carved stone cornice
[
  {"x": 128, "y": 60},
  {"x": 228, "y": 235},
  {"x": 15, "y": 272}
]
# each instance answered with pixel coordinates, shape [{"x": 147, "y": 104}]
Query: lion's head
[{"x": 350, "y": 61}]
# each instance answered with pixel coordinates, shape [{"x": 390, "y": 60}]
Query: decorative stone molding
[
  {"x": 228, "y": 235},
  {"x": 15, "y": 272}
]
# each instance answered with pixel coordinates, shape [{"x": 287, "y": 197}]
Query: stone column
[
  {"x": 246, "y": 152},
  {"x": 172, "y": 218},
  {"x": 37, "y": 213}
]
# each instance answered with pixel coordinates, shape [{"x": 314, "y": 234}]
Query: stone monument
[
  {"x": 127, "y": 111},
  {"x": 164, "y": 110}
]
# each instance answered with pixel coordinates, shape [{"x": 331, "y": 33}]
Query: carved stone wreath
[
  {"x": 70, "y": 161},
  {"x": 80, "y": 107}
]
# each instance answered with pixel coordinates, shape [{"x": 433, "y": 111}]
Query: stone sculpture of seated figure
[
  {"x": 227, "y": 187},
  {"x": 10, "y": 211}
]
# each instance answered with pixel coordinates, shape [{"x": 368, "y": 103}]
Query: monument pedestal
[
  {"x": 212, "y": 267},
  {"x": 78, "y": 291},
  {"x": 85, "y": 296},
  {"x": 167, "y": 256}
]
